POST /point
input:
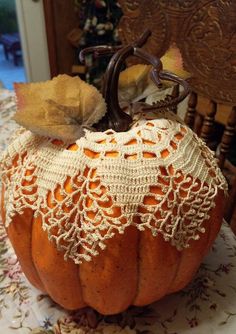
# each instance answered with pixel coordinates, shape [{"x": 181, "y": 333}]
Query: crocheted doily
[{"x": 158, "y": 175}]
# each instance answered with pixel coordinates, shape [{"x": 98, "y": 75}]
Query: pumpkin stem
[
  {"x": 100, "y": 50},
  {"x": 157, "y": 74},
  {"x": 118, "y": 120},
  {"x": 115, "y": 118}
]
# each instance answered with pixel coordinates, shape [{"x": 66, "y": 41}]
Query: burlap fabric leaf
[{"x": 59, "y": 108}]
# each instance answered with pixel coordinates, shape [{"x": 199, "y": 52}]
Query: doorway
[{"x": 31, "y": 20}]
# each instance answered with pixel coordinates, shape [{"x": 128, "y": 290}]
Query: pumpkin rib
[
  {"x": 109, "y": 281},
  {"x": 105, "y": 280},
  {"x": 138, "y": 268},
  {"x": 71, "y": 297},
  {"x": 157, "y": 267},
  {"x": 216, "y": 216},
  {"x": 155, "y": 275},
  {"x": 54, "y": 271},
  {"x": 192, "y": 256},
  {"x": 19, "y": 233},
  {"x": 187, "y": 267}
]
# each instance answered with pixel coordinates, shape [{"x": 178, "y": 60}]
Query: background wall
[{"x": 31, "y": 22}]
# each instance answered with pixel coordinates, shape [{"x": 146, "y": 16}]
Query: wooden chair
[
  {"x": 204, "y": 126},
  {"x": 205, "y": 34}
]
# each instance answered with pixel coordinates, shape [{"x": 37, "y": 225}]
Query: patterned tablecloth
[{"x": 206, "y": 305}]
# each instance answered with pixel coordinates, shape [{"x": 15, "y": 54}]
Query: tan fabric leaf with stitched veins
[{"x": 58, "y": 108}]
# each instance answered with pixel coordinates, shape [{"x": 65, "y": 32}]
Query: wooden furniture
[
  {"x": 205, "y": 33},
  {"x": 203, "y": 125},
  {"x": 11, "y": 45},
  {"x": 60, "y": 19}
]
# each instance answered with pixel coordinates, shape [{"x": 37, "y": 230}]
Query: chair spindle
[
  {"x": 191, "y": 111},
  {"x": 227, "y": 137},
  {"x": 208, "y": 123},
  {"x": 198, "y": 124},
  {"x": 174, "y": 94}
]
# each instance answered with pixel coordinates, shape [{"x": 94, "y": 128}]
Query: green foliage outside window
[{"x": 8, "y": 19}]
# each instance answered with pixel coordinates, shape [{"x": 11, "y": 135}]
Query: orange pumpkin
[{"x": 117, "y": 218}]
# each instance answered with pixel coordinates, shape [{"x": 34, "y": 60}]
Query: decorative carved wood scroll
[
  {"x": 205, "y": 32},
  {"x": 139, "y": 15}
]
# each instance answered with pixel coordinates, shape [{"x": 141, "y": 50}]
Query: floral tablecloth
[{"x": 206, "y": 305}]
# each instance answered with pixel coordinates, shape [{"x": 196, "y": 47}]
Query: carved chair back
[{"x": 205, "y": 33}]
